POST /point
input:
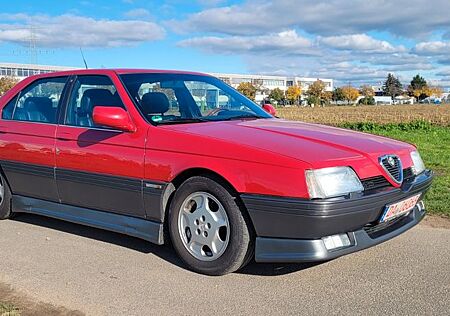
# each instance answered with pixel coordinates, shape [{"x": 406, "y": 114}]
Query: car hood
[{"x": 318, "y": 145}]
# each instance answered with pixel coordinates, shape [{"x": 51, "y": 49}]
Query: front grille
[
  {"x": 393, "y": 167},
  {"x": 379, "y": 182},
  {"x": 373, "y": 183}
]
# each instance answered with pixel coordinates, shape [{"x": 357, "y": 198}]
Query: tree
[
  {"x": 392, "y": 86},
  {"x": 350, "y": 94},
  {"x": 367, "y": 101},
  {"x": 327, "y": 97},
  {"x": 316, "y": 92},
  {"x": 338, "y": 95},
  {"x": 247, "y": 89},
  {"x": 434, "y": 91},
  {"x": 418, "y": 88},
  {"x": 293, "y": 94},
  {"x": 7, "y": 83},
  {"x": 276, "y": 94},
  {"x": 368, "y": 93},
  {"x": 418, "y": 82}
]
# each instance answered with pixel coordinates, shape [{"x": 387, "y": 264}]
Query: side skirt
[{"x": 132, "y": 226}]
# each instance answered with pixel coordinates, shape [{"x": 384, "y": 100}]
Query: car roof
[{"x": 119, "y": 71}]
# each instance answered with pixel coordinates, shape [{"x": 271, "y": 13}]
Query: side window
[
  {"x": 39, "y": 101},
  {"x": 210, "y": 98},
  {"x": 163, "y": 96},
  {"x": 87, "y": 93},
  {"x": 8, "y": 110}
]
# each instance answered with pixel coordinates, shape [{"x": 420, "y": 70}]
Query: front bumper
[{"x": 290, "y": 230}]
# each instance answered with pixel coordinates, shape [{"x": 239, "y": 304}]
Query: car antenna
[{"x": 84, "y": 60}]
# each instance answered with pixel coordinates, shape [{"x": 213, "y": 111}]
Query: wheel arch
[
  {"x": 2, "y": 172},
  {"x": 193, "y": 172}
]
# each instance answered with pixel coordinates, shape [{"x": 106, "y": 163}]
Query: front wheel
[
  {"x": 5, "y": 199},
  {"x": 208, "y": 229}
]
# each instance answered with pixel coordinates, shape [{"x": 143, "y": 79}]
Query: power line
[{"x": 31, "y": 40}]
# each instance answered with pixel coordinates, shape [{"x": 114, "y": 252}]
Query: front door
[
  {"x": 97, "y": 167},
  {"x": 27, "y": 139}
]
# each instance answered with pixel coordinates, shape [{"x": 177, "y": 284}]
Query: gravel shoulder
[{"x": 94, "y": 272}]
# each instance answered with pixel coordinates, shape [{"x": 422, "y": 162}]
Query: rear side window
[
  {"x": 38, "y": 102},
  {"x": 87, "y": 93},
  {"x": 8, "y": 110}
]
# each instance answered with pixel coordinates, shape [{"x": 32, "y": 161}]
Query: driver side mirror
[
  {"x": 269, "y": 108},
  {"x": 114, "y": 117}
]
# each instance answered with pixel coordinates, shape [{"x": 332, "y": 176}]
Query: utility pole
[
  {"x": 32, "y": 45},
  {"x": 30, "y": 42}
]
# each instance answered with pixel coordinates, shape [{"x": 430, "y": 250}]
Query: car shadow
[
  {"x": 273, "y": 269},
  {"x": 165, "y": 252}
]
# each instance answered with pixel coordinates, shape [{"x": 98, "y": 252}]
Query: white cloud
[
  {"x": 409, "y": 18},
  {"x": 342, "y": 71},
  {"x": 433, "y": 48},
  {"x": 232, "y": 20},
  {"x": 287, "y": 42},
  {"x": 360, "y": 43},
  {"x": 76, "y": 31},
  {"x": 444, "y": 73},
  {"x": 138, "y": 13}
]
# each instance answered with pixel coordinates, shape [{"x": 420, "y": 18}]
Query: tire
[
  {"x": 5, "y": 199},
  {"x": 228, "y": 243}
]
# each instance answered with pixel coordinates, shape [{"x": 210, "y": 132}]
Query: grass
[
  {"x": 381, "y": 114},
  {"x": 8, "y": 310},
  {"x": 426, "y": 126}
]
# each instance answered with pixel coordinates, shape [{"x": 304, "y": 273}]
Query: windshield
[{"x": 184, "y": 98}]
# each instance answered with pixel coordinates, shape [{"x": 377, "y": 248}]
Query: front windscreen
[{"x": 184, "y": 98}]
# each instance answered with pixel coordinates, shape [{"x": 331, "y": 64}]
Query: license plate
[{"x": 399, "y": 208}]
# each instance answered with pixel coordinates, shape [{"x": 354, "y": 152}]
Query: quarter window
[
  {"x": 8, "y": 110},
  {"x": 89, "y": 92},
  {"x": 38, "y": 102}
]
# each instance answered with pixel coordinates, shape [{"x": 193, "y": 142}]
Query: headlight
[
  {"x": 418, "y": 165},
  {"x": 330, "y": 182}
]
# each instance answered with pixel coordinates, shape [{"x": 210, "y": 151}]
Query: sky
[{"x": 352, "y": 41}]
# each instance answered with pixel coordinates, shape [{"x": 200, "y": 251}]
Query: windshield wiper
[
  {"x": 240, "y": 117},
  {"x": 182, "y": 121}
]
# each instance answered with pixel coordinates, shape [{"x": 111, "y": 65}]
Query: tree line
[
  {"x": 316, "y": 93},
  {"x": 7, "y": 83}
]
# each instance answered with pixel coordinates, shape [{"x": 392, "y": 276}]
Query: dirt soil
[
  {"x": 28, "y": 307},
  {"x": 436, "y": 221}
]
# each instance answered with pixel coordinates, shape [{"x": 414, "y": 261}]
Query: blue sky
[{"x": 351, "y": 41}]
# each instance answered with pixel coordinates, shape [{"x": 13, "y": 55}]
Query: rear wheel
[
  {"x": 208, "y": 229},
  {"x": 5, "y": 199}
]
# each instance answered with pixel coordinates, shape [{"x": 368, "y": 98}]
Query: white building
[
  {"x": 21, "y": 71},
  {"x": 264, "y": 83}
]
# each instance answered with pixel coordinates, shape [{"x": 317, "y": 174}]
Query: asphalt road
[{"x": 102, "y": 273}]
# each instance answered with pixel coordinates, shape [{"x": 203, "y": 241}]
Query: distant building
[
  {"x": 383, "y": 100},
  {"x": 264, "y": 83},
  {"x": 267, "y": 83},
  {"x": 21, "y": 71}
]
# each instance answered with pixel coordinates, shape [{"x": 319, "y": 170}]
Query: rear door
[
  {"x": 27, "y": 138},
  {"x": 96, "y": 167}
]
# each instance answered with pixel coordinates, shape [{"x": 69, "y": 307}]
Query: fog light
[
  {"x": 421, "y": 206},
  {"x": 336, "y": 241}
]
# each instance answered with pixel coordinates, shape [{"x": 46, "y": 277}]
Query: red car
[{"x": 174, "y": 155}]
